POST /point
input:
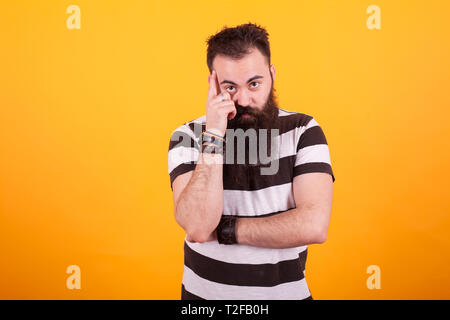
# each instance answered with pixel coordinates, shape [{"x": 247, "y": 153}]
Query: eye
[
  {"x": 254, "y": 84},
  {"x": 230, "y": 88}
]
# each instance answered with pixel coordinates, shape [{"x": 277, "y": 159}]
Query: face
[{"x": 249, "y": 81}]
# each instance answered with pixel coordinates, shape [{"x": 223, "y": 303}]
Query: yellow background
[{"x": 86, "y": 117}]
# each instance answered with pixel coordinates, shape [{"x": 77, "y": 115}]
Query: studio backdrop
[{"x": 90, "y": 92}]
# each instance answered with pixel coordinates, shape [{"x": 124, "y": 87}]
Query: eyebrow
[{"x": 249, "y": 80}]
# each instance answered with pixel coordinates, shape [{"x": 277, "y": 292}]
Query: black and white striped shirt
[{"x": 217, "y": 271}]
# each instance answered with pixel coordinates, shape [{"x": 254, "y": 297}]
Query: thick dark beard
[{"x": 268, "y": 119}]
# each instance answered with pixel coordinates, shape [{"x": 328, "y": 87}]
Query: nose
[{"x": 242, "y": 97}]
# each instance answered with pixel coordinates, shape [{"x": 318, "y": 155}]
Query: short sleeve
[
  {"x": 183, "y": 152},
  {"x": 312, "y": 151}
]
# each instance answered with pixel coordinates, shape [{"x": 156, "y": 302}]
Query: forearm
[
  {"x": 288, "y": 229},
  {"x": 200, "y": 205}
]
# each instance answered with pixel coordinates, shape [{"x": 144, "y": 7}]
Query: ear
[{"x": 272, "y": 70}]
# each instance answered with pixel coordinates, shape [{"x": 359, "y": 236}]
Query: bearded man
[{"x": 247, "y": 230}]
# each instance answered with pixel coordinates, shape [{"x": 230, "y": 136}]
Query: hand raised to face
[{"x": 219, "y": 107}]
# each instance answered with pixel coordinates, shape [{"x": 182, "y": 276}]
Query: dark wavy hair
[{"x": 237, "y": 42}]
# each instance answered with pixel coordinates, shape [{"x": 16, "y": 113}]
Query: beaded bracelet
[
  {"x": 214, "y": 134},
  {"x": 212, "y": 139}
]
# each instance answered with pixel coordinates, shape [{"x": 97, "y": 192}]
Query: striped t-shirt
[{"x": 218, "y": 271}]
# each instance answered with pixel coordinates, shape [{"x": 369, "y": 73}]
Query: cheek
[
  {"x": 259, "y": 95},
  {"x": 262, "y": 96}
]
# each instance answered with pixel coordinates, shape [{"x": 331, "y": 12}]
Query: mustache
[
  {"x": 240, "y": 110},
  {"x": 267, "y": 117}
]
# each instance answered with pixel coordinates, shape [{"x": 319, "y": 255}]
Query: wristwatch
[{"x": 226, "y": 230}]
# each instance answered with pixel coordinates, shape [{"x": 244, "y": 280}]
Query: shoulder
[
  {"x": 293, "y": 120},
  {"x": 190, "y": 130},
  {"x": 183, "y": 147},
  {"x": 192, "y": 125}
]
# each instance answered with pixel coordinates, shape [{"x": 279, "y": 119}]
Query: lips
[{"x": 245, "y": 113}]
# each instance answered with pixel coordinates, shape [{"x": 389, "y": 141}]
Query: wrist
[
  {"x": 211, "y": 154},
  {"x": 215, "y": 131},
  {"x": 226, "y": 230},
  {"x": 208, "y": 136},
  {"x": 212, "y": 145}
]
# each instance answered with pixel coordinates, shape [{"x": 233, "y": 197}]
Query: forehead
[{"x": 242, "y": 69}]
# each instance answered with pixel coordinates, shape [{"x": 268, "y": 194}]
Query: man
[{"x": 247, "y": 232}]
